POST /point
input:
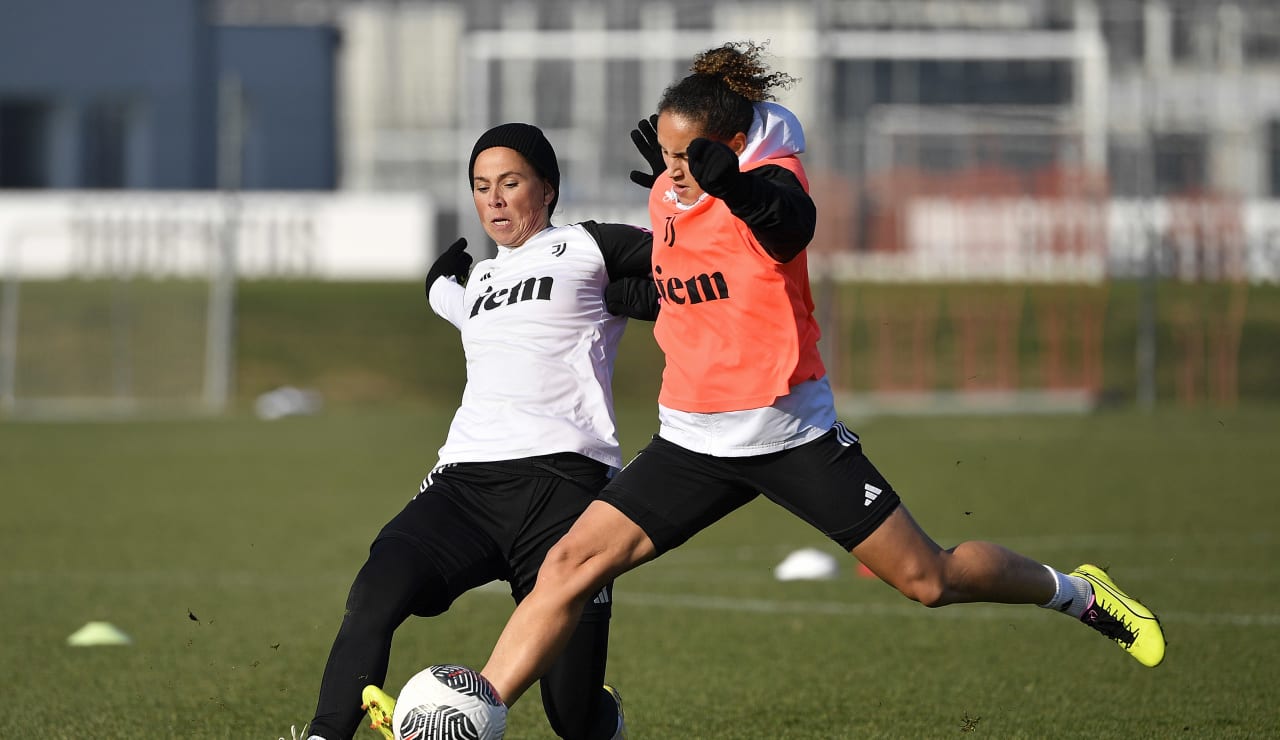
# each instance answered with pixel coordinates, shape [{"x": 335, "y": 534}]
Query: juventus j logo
[
  {"x": 558, "y": 249},
  {"x": 669, "y": 231},
  {"x": 873, "y": 493}
]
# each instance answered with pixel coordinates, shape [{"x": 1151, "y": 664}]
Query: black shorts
[
  {"x": 672, "y": 493},
  {"x": 482, "y": 522}
]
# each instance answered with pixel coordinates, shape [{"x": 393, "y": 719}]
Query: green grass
[
  {"x": 371, "y": 344},
  {"x": 378, "y": 344},
  {"x": 225, "y": 549},
  {"x": 1205, "y": 334}
]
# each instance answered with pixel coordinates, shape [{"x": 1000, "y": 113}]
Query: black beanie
[{"x": 530, "y": 143}]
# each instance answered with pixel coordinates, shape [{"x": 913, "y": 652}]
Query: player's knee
[
  {"x": 922, "y": 584},
  {"x": 573, "y": 568},
  {"x": 393, "y": 583},
  {"x": 365, "y": 612},
  {"x": 929, "y": 593},
  {"x": 564, "y": 564}
]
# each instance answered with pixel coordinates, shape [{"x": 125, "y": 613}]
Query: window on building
[
  {"x": 105, "y": 143},
  {"x": 1262, "y": 35},
  {"x": 1123, "y": 27},
  {"x": 1197, "y": 28},
  {"x": 1128, "y": 170},
  {"x": 973, "y": 82},
  {"x": 1181, "y": 163},
  {"x": 24, "y": 144}
]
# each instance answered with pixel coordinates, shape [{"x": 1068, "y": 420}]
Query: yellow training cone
[{"x": 98, "y": 633}]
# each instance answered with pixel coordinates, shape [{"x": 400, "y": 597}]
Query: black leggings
[{"x": 398, "y": 580}]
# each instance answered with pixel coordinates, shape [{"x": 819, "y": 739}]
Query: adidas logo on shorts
[{"x": 873, "y": 493}]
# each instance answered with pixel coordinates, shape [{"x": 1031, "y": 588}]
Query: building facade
[{"x": 155, "y": 94}]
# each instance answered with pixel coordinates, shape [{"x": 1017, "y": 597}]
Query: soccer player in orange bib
[{"x": 745, "y": 407}]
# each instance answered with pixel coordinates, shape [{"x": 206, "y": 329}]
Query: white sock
[{"x": 1071, "y": 596}]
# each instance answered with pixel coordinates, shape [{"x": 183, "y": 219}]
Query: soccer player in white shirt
[{"x": 532, "y": 442}]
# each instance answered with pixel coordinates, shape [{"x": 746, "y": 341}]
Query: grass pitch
[{"x": 225, "y": 547}]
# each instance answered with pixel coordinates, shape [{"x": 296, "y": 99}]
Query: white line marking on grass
[
  {"x": 626, "y": 598},
  {"x": 1080, "y": 543}
]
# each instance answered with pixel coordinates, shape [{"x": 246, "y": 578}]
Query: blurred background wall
[
  {"x": 901, "y": 100},
  {"x": 127, "y": 95},
  {"x": 951, "y": 142}
]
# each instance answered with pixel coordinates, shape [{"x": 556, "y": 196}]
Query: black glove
[
  {"x": 645, "y": 137},
  {"x": 715, "y": 167},
  {"x": 454, "y": 262},
  {"x": 633, "y": 297}
]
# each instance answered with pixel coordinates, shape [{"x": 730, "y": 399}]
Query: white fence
[
  {"x": 1073, "y": 241},
  {"x": 323, "y": 236},
  {"x": 352, "y": 236}
]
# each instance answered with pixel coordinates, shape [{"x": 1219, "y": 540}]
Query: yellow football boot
[
  {"x": 380, "y": 706},
  {"x": 1122, "y": 618}
]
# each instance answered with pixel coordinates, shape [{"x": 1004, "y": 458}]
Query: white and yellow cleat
[{"x": 1122, "y": 618}]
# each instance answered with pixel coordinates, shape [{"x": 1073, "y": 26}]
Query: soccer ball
[{"x": 449, "y": 702}]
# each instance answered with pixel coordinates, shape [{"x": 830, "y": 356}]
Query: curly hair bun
[{"x": 739, "y": 65}]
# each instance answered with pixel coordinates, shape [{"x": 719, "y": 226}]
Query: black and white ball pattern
[
  {"x": 437, "y": 723},
  {"x": 466, "y": 681},
  {"x": 449, "y": 702}
]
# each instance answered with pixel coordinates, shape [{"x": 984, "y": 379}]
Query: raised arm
[
  {"x": 769, "y": 199},
  {"x": 443, "y": 284}
]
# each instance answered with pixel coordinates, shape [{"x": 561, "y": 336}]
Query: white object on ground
[
  {"x": 98, "y": 633},
  {"x": 807, "y": 564},
  {"x": 287, "y": 401}
]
